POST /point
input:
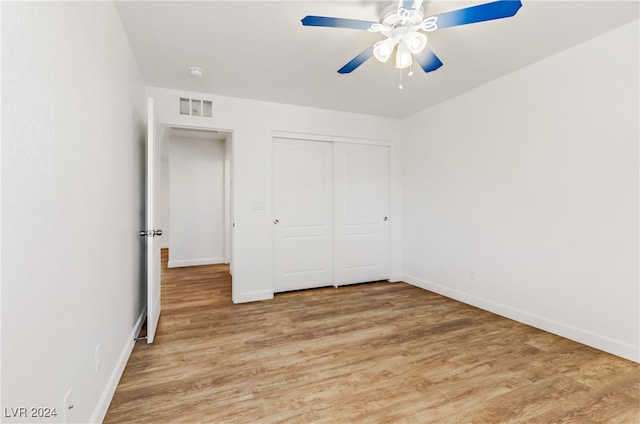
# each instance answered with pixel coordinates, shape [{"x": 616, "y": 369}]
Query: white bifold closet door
[{"x": 330, "y": 205}]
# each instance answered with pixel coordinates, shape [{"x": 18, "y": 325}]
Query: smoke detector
[{"x": 195, "y": 72}]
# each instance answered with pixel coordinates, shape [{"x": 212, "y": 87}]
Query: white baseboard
[
  {"x": 195, "y": 262},
  {"x": 252, "y": 296},
  {"x": 395, "y": 278},
  {"x": 102, "y": 407},
  {"x": 589, "y": 338}
]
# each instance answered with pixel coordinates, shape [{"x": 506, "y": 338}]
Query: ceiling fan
[{"x": 404, "y": 27}]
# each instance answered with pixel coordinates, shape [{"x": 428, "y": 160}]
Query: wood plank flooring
[{"x": 369, "y": 353}]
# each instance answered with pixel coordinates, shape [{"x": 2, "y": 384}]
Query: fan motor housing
[{"x": 392, "y": 17}]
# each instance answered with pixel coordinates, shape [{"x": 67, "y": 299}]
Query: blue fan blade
[
  {"x": 356, "y": 61},
  {"x": 427, "y": 60},
  {"x": 407, "y": 4},
  {"x": 326, "y": 21},
  {"x": 484, "y": 12}
]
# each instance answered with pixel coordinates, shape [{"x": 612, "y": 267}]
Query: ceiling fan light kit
[
  {"x": 403, "y": 57},
  {"x": 400, "y": 26},
  {"x": 403, "y": 26},
  {"x": 383, "y": 50},
  {"x": 416, "y": 41}
]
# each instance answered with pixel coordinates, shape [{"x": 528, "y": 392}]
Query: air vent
[{"x": 196, "y": 107}]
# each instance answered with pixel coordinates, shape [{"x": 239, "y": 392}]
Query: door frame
[
  {"x": 330, "y": 138},
  {"x": 228, "y": 196}
]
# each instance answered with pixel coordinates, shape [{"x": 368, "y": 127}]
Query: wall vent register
[{"x": 196, "y": 107}]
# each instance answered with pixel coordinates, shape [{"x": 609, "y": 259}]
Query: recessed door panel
[
  {"x": 361, "y": 185},
  {"x": 362, "y": 251},
  {"x": 304, "y": 180}
]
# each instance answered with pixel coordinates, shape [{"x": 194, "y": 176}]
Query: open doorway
[
  {"x": 160, "y": 207},
  {"x": 195, "y": 196}
]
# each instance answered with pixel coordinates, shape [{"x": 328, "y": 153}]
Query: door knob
[
  {"x": 386, "y": 218},
  {"x": 150, "y": 233},
  {"x": 276, "y": 222}
]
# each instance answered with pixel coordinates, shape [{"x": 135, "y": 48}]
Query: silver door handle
[
  {"x": 150, "y": 233},
  {"x": 386, "y": 218},
  {"x": 276, "y": 222}
]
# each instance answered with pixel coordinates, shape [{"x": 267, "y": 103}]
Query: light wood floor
[{"x": 371, "y": 353}]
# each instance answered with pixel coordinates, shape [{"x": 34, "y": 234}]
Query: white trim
[
  {"x": 332, "y": 138},
  {"x": 102, "y": 406},
  {"x": 395, "y": 278},
  {"x": 182, "y": 125},
  {"x": 252, "y": 296},
  {"x": 589, "y": 338},
  {"x": 195, "y": 262}
]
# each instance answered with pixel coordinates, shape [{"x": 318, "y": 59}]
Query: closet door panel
[
  {"x": 303, "y": 214},
  {"x": 361, "y": 205}
]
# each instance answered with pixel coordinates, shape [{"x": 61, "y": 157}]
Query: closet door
[
  {"x": 302, "y": 214},
  {"x": 361, "y": 211}
]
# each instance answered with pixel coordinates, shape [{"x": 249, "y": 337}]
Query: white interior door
[
  {"x": 153, "y": 244},
  {"x": 303, "y": 214},
  {"x": 361, "y": 217}
]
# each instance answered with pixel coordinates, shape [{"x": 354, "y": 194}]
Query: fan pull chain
[{"x": 410, "y": 73}]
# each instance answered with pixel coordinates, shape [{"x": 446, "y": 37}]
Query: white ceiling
[{"x": 260, "y": 50}]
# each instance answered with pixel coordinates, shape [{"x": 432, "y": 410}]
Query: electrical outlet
[
  {"x": 69, "y": 407},
  {"x": 98, "y": 357}
]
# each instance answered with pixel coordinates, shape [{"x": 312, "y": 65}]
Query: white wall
[
  {"x": 253, "y": 123},
  {"x": 521, "y": 196},
  {"x": 72, "y": 180},
  {"x": 196, "y": 181}
]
